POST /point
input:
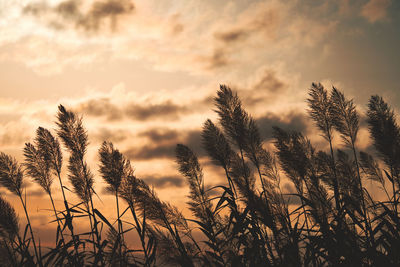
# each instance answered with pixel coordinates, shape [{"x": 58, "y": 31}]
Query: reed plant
[{"x": 329, "y": 218}]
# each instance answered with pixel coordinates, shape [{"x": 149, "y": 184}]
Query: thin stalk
[
  {"x": 30, "y": 229},
  {"x": 68, "y": 220},
  {"x": 140, "y": 233},
  {"x": 336, "y": 182},
  {"x": 58, "y": 223},
  {"x": 92, "y": 208},
  {"x": 91, "y": 227},
  {"x": 10, "y": 253},
  {"x": 274, "y": 229},
  {"x": 368, "y": 231},
  {"x": 177, "y": 239},
  {"x": 253, "y": 215},
  {"x": 394, "y": 190},
  {"x": 120, "y": 231},
  {"x": 23, "y": 248}
]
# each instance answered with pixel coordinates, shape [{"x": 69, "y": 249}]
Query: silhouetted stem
[
  {"x": 30, "y": 229},
  {"x": 335, "y": 182},
  {"x": 368, "y": 231},
  {"x": 120, "y": 231},
  {"x": 58, "y": 223},
  {"x": 141, "y": 234},
  {"x": 68, "y": 220}
]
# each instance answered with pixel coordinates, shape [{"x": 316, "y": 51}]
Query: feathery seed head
[
  {"x": 38, "y": 167},
  {"x": 9, "y": 226},
  {"x": 113, "y": 166},
  {"x": 11, "y": 175}
]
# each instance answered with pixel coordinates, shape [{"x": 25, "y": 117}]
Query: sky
[{"x": 143, "y": 74}]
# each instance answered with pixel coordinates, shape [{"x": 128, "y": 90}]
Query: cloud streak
[
  {"x": 163, "y": 144},
  {"x": 162, "y": 182},
  {"x": 72, "y": 12},
  {"x": 103, "y": 107}
]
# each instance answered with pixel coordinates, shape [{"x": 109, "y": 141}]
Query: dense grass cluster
[{"x": 330, "y": 220}]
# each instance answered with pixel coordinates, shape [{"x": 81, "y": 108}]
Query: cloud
[
  {"x": 100, "y": 107},
  {"x": 259, "y": 19},
  {"x": 14, "y": 133},
  {"x": 160, "y": 135},
  {"x": 39, "y": 193},
  {"x": 190, "y": 138},
  {"x": 231, "y": 36},
  {"x": 214, "y": 41},
  {"x": 104, "y": 107},
  {"x": 218, "y": 58},
  {"x": 149, "y": 152},
  {"x": 164, "y": 181},
  {"x": 71, "y": 12},
  {"x": 163, "y": 110},
  {"x": 112, "y": 135},
  {"x": 375, "y": 10},
  {"x": 265, "y": 86},
  {"x": 262, "y": 18},
  {"x": 291, "y": 121},
  {"x": 174, "y": 25}
]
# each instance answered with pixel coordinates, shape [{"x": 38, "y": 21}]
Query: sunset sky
[{"x": 143, "y": 73}]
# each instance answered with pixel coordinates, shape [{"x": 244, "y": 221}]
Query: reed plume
[
  {"x": 10, "y": 174},
  {"x": 346, "y": 121},
  {"x": 50, "y": 147},
  {"x": 113, "y": 168},
  {"x": 322, "y": 112},
  {"x": 75, "y": 138},
  {"x": 38, "y": 167},
  {"x": 385, "y": 133},
  {"x": 9, "y": 223},
  {"x": 11, "y": 177},
  {"x": 189, "y": 167}
]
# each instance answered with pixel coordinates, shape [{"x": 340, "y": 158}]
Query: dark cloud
[
  {"x": 148, "y": 152},
  {"x": 291, "y": 122},
  {"x": 70, "y": 12},
  {"x": 191, "y": 139},
  {"x": 114, "y": 135},
  {"x": 219, "y": 58},
  {"x": 163, "y": 141},
  {"x": 266, "y": 88},
  {"x": 230, "y": 36},
  {"x": 100, "y": 107},
  {"x": 160, "y": 135},
  {"x": 68, "y": 9},
  {"x": 38, "y": 192},
  {"x": 164, "y": 110},
  {"x": 164, "y": 181},
  {"x": 266, "y": 21},
  {"x": 269, "y": 82}
]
